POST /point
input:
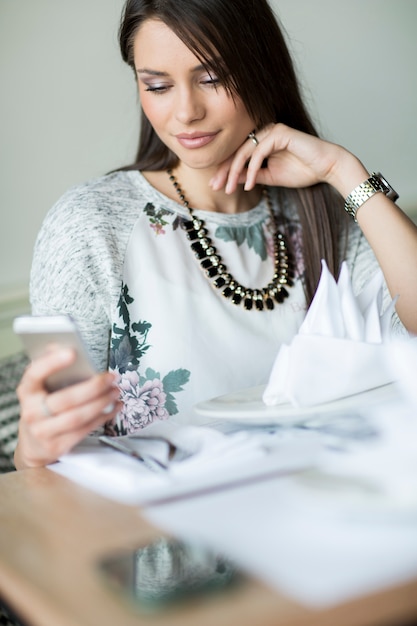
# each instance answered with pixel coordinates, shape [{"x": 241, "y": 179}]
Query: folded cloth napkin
[
  {"x": 213, "y": 460},
  {"x": 340, "y": 347}
]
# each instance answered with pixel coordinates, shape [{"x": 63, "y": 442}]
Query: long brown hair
[{"x": 241, "y": 42}]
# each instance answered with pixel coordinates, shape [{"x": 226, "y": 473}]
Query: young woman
[{"x": 187, "y": 270}]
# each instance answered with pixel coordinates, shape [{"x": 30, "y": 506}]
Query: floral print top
[{"x": 113, "y": 254}]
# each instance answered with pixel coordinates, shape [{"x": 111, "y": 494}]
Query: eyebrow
[{"x": 145, "y": 70}]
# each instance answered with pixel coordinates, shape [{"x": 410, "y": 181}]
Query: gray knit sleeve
[{"x": 78, "y": 258}]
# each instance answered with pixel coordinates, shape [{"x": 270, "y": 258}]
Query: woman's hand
[
  {"x": 296, "y": 159},
  {"x": 53, "y": 423},
  {"x": 293, "y": 159}
]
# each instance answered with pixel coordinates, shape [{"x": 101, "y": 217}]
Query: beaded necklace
[{"x": 219, "y": 276}]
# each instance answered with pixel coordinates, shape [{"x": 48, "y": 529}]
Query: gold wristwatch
[{"x": 375, "y": 183}]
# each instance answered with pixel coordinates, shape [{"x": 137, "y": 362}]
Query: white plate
[{"x": 247, "y": 406}]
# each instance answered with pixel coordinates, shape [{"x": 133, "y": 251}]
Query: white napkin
[
  {"x": 215, "y": 460},
  {"x": 340, "y": 347}
]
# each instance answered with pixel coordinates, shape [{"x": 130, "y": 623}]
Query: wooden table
[{"x": 53, "y": 532}]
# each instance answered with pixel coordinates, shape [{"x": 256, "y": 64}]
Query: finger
[
  {"x": 232, "y": 171},
  {"x": 273, "y": 143},
  {"x": 219, "y": 179},
  {"x": 82, "y": 393},
  {"x": 37, "y": 405},
  {"x": 80, "y": 419},
  {"x": 55, "y": 443},
  {"x": 39, "y": 369},
  {"x": 228, "y": 179},
  {"x": 237, "y": 169}
]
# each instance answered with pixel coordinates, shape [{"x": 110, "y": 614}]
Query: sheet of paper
[
  {"x": 305, "y": 550},
  {"x": 326, "y": 535},
  {"x": 322, "y": 523}
]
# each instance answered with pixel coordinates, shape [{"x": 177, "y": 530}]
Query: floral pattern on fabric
[
  {"x": 157, "y": 221},
  {"x": 260, "y": 238},
  {"x": 145, "y": 395},
  {"x": 156, "y": 218},
  {"x": 256, "y": 237}
]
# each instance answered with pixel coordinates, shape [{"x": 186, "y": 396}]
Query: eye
[
  {"x": 212, "y": 81},
  {"x": 157, "y": 88}
]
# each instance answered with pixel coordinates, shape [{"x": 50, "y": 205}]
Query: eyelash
[
  {"x": 156, "y": 89},
  {"x": 212, "y": 82}
]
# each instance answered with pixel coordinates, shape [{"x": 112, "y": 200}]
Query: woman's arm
[
  {"x": 71, "y": 273},
  {"x": 296, "y": 159},
  {"x": 391, "y": 234}
]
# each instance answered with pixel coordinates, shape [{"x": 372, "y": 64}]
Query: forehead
[{"x": 155, "y": 43}]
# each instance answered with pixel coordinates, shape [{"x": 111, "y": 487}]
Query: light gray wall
[{"x": 68, "y": 104}]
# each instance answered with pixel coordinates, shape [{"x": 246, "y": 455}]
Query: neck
[{"x": 196, "y": 189}]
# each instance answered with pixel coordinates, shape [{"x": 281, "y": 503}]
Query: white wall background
[{"x": 68, "y": 108}]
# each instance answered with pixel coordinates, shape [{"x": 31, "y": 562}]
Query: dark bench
[{"x": 11, "y": 370}]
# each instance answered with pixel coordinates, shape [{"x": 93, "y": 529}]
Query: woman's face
[{"x": 188, "y": 108}]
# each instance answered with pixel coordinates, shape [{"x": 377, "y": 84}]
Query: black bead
[
  {"x": 192, "y": 234},
  {"x": 219, "y": 282},
  {"x": 188, "y": 225},
  {"x": 212, "y": 272},
  {"x": 198, "y": 248},
  {"x": 279, "y": 297}
]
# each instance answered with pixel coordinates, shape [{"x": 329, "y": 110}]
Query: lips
[{"x": 195, "y": 140}]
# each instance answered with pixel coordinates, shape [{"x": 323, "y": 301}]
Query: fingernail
[{"x": 111, "y": 379}]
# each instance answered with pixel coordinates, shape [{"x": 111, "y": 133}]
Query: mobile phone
[{"x": 37, "y": 332}]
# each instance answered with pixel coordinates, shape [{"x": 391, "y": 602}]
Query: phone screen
[{"x": 168, "y": 572}]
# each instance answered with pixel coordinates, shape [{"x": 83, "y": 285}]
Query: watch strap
[{"x": 374, "y": 184}]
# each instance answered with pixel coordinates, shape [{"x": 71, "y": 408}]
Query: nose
[{"x": 189, "y": 106}]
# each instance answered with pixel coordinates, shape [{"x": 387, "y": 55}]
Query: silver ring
[
  {"x": 46, "y": 411},
  {"x": 254, "y": 138}
]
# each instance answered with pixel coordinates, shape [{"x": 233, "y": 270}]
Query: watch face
[
  {"x": 386, "y": 187},
  {"x": 382, "y": 182}
]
